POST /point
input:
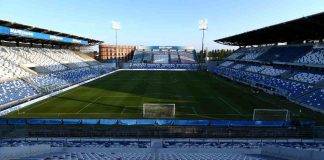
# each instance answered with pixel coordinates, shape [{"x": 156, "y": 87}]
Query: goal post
[
  {"x": 271, "y": 115},
  {"x": 158, "y": 110}
]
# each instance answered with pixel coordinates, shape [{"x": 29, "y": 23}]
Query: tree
[{"x": 219, "y": 54}]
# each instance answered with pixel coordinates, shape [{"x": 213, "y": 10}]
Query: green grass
[{"x": 195, "y": 94}]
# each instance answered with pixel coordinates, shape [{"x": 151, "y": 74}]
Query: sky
[{"x": 156, "y": 22}]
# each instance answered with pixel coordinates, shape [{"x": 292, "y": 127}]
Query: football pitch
[{"x": 200, "y": 95}]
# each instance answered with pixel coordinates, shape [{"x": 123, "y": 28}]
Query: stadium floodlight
[
  {"x": 203, "y": 25},
  {"x": 115, "y": 25}
]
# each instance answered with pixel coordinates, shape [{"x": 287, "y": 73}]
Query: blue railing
[{"x": 152, "y": 122}]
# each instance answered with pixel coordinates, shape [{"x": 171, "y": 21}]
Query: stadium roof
[
  {"x": 46, "y": 32},
  {"x": 298, "y": 30}
]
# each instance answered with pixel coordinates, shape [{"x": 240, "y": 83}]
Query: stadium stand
[
  {"x": 9, "y": 70},
  {"x": 161, "y": 58},
  {"x": 186, "y": 57},
  {"x": 271, "y": 71},
  {"x": 147, "y": 58},
  {"x": 254, "y": 53},
  {"x": 313, "y": 99},
  {"x": 308, "y": 145},
  {"x": 248, "y": 53},
  {"x": 226, "y": 63},
  {"x": 174, "y": 57},
  {"x": 308, "y": 77},
  {"x": 238, "y": 66},
  {"x": 286, "y": 87},
  {"x": 143, "y": 149},
  {"x": 138, "y": 57},
  {"x": 31, "y": 71},
  {"x": 292, "y": 70},
  {"x": 15, "y": 90},
  {"x": 315, "y": 56},
  {"x": 33, "y": 85},
  {"x": 255, "y": 69},
  {"x": 41, "y": 62},
  {"x": 284, "y": 53}
]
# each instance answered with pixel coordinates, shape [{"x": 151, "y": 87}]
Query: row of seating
[
  {"x": 285, "y": 53},
  {"x": 241, "y": 144},
  {"x": 238, "y": 66},
  {"x": 161, "y": 58},
  {"x": 40, "y": 60},
  {"x": 99, "y": 156},
  {"x": 255, "y": 69},
  {"x": 168, "y": 143},
  {"x": 248, "y": 53},
  {"x": 174, "y": 57},
  {"x": 308, "y": 77},
  {"x": 27, "y": 72},
  {"x": 226, "y": 63},
  {"x": 77, "y": 143},
  {"x": 313, "y": 99},
  {"x": 301, "y": 76},
  {"x": 138, "y": 155},
  {"x": 9, "y": 70},
  {"x": 271, "y": 71},
  {"x": 18, "y": 62},
  {"x": 33, "y": 86},
  {"x": 184, "y": 149},
  {"x": 193, "y": 66},
  {"x": 15, "y": 90},
  {"x": 290, "y": 88},
  {"x": 209, "y": 156},
  {"x": 301, "y": 54},
  {"x": 315, "y": 56}
]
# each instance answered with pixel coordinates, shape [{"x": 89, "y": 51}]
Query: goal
[
  {"x": 271, "y": 114},
  {"x": 158, "y": 110}
]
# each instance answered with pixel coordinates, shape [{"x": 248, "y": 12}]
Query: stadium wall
[
  {"x": 147, "y": 122},
  {"x": 151, "y": 131}
]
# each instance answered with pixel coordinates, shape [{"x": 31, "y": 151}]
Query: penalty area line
[
  {"x": 88, "y": 104},
  {"x": 122, "y": 112},
  {"x": 194, "y": 110},
  {"x": 229, "y": 105}
]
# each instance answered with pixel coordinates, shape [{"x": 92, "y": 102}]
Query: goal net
[
  {"x": 271, "y": 114},
  {"x": 158, "y": 110}
]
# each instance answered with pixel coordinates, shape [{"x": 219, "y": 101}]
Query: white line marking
[
  {"x": 122, "y": 112},
  {"x": 45, "y": 101},
  {"x": 109, "y": 113},
  {"x": 229, "y": 105},
  {"x": 89, "y": 104},
  {"x": 194, "y": 110}
]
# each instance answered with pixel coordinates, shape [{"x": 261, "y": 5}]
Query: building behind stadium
[{"x": 109, "y": 52}]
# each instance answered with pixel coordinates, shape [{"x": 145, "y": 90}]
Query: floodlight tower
[
  {"x": 203, "y": 25},
  {"x": 115, "y": 25}
]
